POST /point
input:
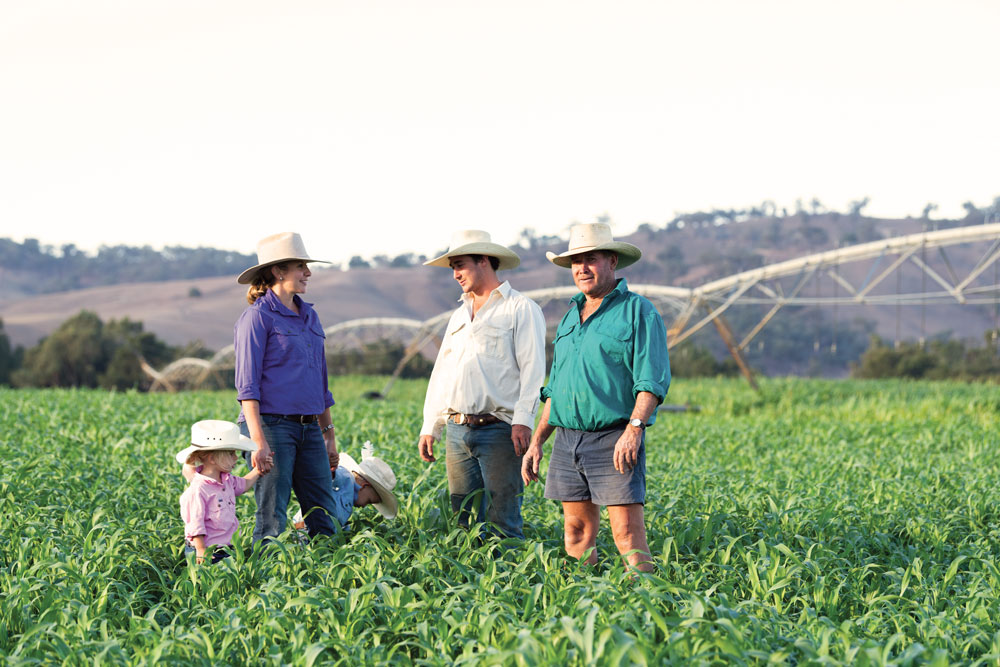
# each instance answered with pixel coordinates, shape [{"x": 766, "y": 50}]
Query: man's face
[
  {"x": 471, "y": 276},
  {"x": 594, "y": 272}
]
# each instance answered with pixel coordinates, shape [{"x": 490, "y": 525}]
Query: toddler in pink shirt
[{"x": 208, "y": 505}]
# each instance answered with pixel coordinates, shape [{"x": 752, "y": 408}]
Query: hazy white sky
[{"x": 378, "y": 127}]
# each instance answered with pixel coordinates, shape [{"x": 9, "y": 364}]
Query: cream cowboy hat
[
  {"x": 283, "y": 247},
  {"x": 595, "y": 236},
  {"x": 215, "y": 434},
  {"x": 475, "y": 242},
  {"x": 380, "y": 476}
]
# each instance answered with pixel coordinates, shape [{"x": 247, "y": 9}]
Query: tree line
[
  {"x": 86, "y": 352},
  {"x": 33, "y": 268}
]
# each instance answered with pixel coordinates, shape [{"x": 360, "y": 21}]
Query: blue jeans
[
  {"x": 484, "y": 473},
  {"x": 300, "y": 464}
]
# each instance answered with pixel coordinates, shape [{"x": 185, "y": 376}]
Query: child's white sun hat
[
  {"x": 216, "y": 434},
  {"x": 380, "y": 476}
]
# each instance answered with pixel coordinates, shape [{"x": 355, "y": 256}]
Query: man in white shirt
[{"x": 485, "y": 385}]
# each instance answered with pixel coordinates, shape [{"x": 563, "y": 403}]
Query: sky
[{"x": 380, "y": 127}]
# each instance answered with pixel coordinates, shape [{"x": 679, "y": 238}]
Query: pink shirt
[{"x": 209, "y": 507}]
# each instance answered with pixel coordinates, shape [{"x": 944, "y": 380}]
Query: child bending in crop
[
  {"x": 208, "y": 505},
  {"x": 359, "y": 485}
]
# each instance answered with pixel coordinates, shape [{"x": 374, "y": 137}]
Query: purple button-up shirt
[{"x": 280, "y": 358}]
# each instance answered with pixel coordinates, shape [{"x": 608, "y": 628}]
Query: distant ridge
[{"x": 691, "y": 250}]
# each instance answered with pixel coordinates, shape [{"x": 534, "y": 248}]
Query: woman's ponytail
[{"x": 264, "y": 279}]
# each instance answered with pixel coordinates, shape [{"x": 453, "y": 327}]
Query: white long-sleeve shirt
[{"x": 493, "y": 364}]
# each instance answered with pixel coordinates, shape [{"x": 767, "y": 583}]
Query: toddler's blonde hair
[{"x": 199, "y": 457}]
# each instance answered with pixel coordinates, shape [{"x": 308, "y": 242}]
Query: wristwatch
[{"x": 638, "y": 423}]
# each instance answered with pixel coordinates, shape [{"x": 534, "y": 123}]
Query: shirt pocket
[
  {"x": 614, "y": 339},
  {"x": 563, "y": 348},
  {"x": 316, "y": 345},
  {"x": 456, "y": 340},
  {"x": 287, "y": 341},
  {"x": 494, "y": 342},
  {"x": 216, "y": 511}
]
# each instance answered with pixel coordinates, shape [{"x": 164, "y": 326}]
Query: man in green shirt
[{"x": 610, "y": 371}]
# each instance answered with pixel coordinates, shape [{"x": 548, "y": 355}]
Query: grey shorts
[{"x": 582, "y": 467}]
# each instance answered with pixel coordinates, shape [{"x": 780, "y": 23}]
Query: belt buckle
[{"x": 459, "y": 418}]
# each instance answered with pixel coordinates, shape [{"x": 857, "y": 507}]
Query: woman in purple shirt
[{"x": 282, "y": 387}]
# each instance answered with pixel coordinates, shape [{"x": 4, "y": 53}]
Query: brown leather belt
[{"x": 473, "y": 420}]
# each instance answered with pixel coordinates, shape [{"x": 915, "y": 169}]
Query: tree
[
  {"x": 10, "y": 358},
  {"x": 973, "y": 216},
  {"x": 690, "y": 360},
  {"x": 377, "y": 358},
  {"x": 402, "y": 261},
  {"x": 357, "y": 262},
  {"x": 84, "y": 352},
  {"x": 73, "y": 356},
  {"x": 857, "y": 206}
]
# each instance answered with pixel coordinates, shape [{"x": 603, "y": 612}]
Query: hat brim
[
  {"x": 389, "y": 507},
  {"x": 508, "y": 258},
  {"x": 244, "y": 444},
  {"x": 627, "y": 253},
  {"x": 247, "y": 276}
]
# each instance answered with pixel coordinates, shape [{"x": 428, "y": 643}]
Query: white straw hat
[
  {"x": 595, "y": 236},
  {"x": 274, "y": 249},
  {"x": 215, "y": 434},
  {"x": 380, "y": 476},
  {"x": 475, "y": 242}
]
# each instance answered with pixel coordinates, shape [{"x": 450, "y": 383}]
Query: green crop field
[{"x": 819, "y": 522}]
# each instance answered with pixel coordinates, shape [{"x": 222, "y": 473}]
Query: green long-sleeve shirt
[{"x": 600, "y": 366}]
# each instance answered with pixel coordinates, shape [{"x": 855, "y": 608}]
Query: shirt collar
[
  {"x": 620, "y": 288},
  {"x": 272, "y": 300},
  {"x": 223, "y": 477},
  {"x": 503, "y": 290}
]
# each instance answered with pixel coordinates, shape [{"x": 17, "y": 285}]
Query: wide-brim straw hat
[
  {"x": 215, "y": 434},
  {"x": 381, "y": 477},
  {"x": 595, "y": 236},
  {"x": 277, "y": 248},
  {"x": 475, "y": 242}
]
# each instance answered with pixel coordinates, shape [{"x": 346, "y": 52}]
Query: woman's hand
[
  {"x": 262, "y": 459},
  {"x": 331, "y": 449}
]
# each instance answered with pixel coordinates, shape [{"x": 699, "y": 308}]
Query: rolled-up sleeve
[
  {"x": 529, "y": 350},
  {"x": 249, "y": 343},
  {"x": 650, "y": 362}
]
